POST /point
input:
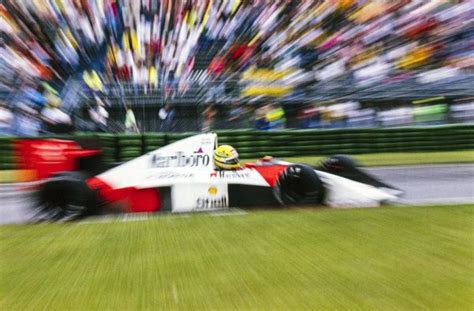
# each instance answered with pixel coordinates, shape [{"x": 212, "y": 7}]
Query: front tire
[
  {"x": 298, "y": 185},
  {"x": 66, "y": 196}
]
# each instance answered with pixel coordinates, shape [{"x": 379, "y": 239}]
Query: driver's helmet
[{"x": 226, "y": 157}]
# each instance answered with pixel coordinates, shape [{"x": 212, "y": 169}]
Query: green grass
[
  {"x": 399, "y": 158},
  {"x": 393, "y": 258}
]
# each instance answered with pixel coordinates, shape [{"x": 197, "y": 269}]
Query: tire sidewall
[
  {"x": 66, "y": 190},
  {"x": 299, "y": 184}
]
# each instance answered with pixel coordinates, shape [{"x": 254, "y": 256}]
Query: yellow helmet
[{"x": 226, "y": 157}]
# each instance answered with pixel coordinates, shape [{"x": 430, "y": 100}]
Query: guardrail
[{"x": 286, "y": 143}]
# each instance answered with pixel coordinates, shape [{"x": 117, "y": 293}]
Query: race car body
[{"x": 181, "y": 177}]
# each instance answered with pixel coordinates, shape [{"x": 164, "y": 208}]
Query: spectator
[
  {"x": 248, "y": 116},
  {"x": 130, "y": 121},
  {"x": 51, "y": 96},
  {"x": 140, "y": 78},
  {"x": 261, "y": 122},
  {"x": 235, "y": 116},
  {"x": 55, "y": 120},
  {"x": 209, "y": 115},
  {"x": 6, "y": 120},
  {"x": 99, "y": 115},
  {"x": 34, "y": 96},
  {"x": 275, "y": 117},
  {"x": 93, "y": 81},
  {"x": 27, "y": 121},
  {"x": 309, "y": 116},
  {"x": 167, "y": 115}
]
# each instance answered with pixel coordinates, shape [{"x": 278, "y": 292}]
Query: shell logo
[{"x": 212, "y": 190}]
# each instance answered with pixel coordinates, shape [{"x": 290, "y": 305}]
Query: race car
[{"x": 182, "y": 177}]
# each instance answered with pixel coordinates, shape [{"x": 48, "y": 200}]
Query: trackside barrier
[
  {"x": 286, "y": 143},
  {"x": 6, "y": 155}
]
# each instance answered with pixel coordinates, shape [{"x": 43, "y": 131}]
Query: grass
[
  {"x": 393, "y": 258},
  {"x": 400, "y": 158}
]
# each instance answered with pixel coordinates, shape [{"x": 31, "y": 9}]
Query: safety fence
[{"x": 250, "y": 143}]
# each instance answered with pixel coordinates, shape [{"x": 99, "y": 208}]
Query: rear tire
[
  {"x": 339, "y": 163},
  {"x": 65, "y": 197},
  {"x": 298, "y": 185},
  {"x": 345, "y": 166}
]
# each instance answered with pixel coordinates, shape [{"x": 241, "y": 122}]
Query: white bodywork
[
  {"x": 343, "y": 192},
  {"x": 187, "y": 167}
]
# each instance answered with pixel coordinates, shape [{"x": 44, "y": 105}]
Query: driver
[{"x": 226, "y": 158}]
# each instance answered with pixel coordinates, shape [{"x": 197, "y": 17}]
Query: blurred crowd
[
  {"x": 264, "y": 48},
  {"x": 282, "y": 47},
  {"x": 269, "y": 116},
  {"x": 353, "y": 114},
  {"x": 151, "y": 42}
]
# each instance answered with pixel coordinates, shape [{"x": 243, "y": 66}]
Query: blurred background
[{"x": 198, "y": 65}]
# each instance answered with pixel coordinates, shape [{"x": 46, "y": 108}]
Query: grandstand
[{"x": 382, "y": 54}]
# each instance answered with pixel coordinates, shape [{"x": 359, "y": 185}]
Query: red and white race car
[{"x": 181, "y": 177}]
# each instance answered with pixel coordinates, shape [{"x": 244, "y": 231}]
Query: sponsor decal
[
  {"x": 212, "y": 190},
  {"x": 180, "y": 159},
  {"x": 230, "y": 174},
  {"x": 209, "y": 203},
  {"x": 164, "y": 175},
  {"x": 199, "y": 150},
  {"x": 213, "y": 201},
  {"x": 206, "y": 141}
]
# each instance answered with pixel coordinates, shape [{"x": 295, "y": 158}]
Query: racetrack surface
[
  {"x": 427, "y": 184},
  {"x": 15, "y": 203},
  {"x": 430, "y": 184}
]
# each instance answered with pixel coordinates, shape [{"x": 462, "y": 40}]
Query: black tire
[
  {"x": 298, "y": 185},
  {"x": 345, "y": 166},
  {"x": 65, "y": 197},
  {"x": 339, "y": 163}
]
